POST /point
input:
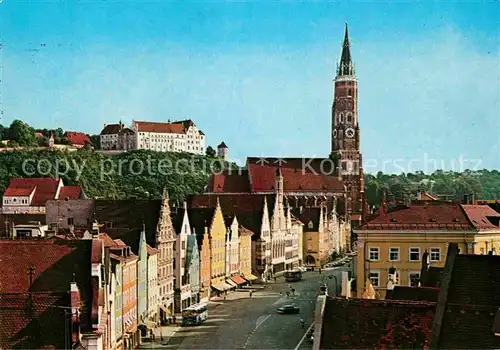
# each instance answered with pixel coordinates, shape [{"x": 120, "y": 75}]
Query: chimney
[{"x": 466, "y": 199}]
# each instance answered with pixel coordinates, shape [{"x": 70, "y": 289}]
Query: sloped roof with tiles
[
  {"x": 77, "y": 138},
  {"x": 45, "y": 188},
  {"x": 308, "y": 216},
  {"x": 54, "y": 261},
  {"x": 470, "y": 302},
  {"x": 70, "y": 192},
  {"x": 248, "y": 208},
  {"x": 413, "y": 293},
  {"x": 124, "y": 219},
  {"x": 199, "y": 219},
  {"x": 375, "y": 324},
  {"x": 162, "y": 128},
  {"x": 431, "y": 277},
  {"x": 31, "y": 327},
  {"x": 111, "y": 129},
  {"x": 421, "y": 217},
  {"x": 299, "y": 175},
  {"x": 151, "y": 251},
  {"x": 229, "y": 182},
  {"x": 483, "y": 217}
]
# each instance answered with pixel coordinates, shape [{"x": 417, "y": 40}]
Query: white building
[
  {"x": 181, "y": 136},
  {"x": 180, "y": 221},
  {"x": 233, "y": 249},
  {"x": 117, "y": 137},
  {"x": 29, "y": 195},
  {"x": 153, "y": 295}
]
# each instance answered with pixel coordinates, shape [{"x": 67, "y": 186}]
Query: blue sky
[{"x": 258, "y": 75}]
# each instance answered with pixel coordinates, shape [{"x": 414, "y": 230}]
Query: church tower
[{"x": 345, "y": 132}]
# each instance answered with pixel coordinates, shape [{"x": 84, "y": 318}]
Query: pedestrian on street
[
  {"x": 251, "y": 292},
  {"x": 302, "y": 322},
  {"x": 274, "y": 279},
  {"x": 293, "y": 291}
]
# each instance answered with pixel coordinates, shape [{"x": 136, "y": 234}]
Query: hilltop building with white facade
[{"x": 179, "y": 136}]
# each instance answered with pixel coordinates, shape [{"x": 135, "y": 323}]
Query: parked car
[{"x": 288, "y": 309}]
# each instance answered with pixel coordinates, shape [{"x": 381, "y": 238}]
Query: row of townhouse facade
[{"x": 178, "y": 136}]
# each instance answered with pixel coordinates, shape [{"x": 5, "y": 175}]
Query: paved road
[{"x": 242, "y": 322}]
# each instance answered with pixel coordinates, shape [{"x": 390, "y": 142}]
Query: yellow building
[
  {"x": 217, "y": 233},
  {"x": 245, "y": 252},
  {"x": 315, "y": 235},
  {"x": 390, "y": 246}
]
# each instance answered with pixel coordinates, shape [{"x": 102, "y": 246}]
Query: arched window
[
  {"x": 341, "y": 118},
  {"x": 349, "y": 92}
]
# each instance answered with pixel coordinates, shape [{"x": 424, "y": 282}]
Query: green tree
[
  {"x": 210, "y": 152},
  {"x": 22, "y": 133}
]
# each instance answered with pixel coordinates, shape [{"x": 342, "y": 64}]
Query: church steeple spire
[{"x": 346, "y": 67}]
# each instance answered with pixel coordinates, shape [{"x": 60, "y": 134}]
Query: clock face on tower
[{"x": 349, "y": 133}]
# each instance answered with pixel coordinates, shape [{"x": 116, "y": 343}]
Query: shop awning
[
  {"x": 250, "y": 277},
  {"x": 163, "y": 307},
  {"x": 231, "y": 283},
  {"x": 149, "y": 324},
  {"x": 227, "y": 286},
  {"x": 218, "y": 287},
  {"x": 238, "y": 280}
]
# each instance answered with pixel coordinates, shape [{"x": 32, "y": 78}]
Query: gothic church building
[{"x": 335, "y": 182}]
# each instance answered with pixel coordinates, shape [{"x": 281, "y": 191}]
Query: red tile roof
[
  {"x": 151, "y": 250},
  {"x": 18, "y": 192},
  {"x": 16, "y": 256},
  {"x": 70, "y": 192},
  {"x": 46, "y": 188},
  {"x": 56, "y": 264},
  {"x": 299, "y": 175},
  {"x": 164, "y": 128},
  {"x": 480, "y": 216},
  {"x": 376, "y": 324},
  {"x": 107, "y": 241},
  {"x": 472, "y": 301},
  {"x": 229, "y": 182},
  {"x": 421, "y": 217},
  {"x": 77, "y": 138},
  {"x": 18, "y": 330}
]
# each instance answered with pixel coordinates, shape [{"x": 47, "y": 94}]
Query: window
[
  {"x": 373, "y": 253},
  {"x": 435, "y": 254},
  {"x": 414, "y": 254},
  {"x": 393, "y": 254},
  {"x": 349, "y": 118},
  {"x": 70, "y": 221},
  {"x": 374, "y": 278},
  {"x": 413, "y": 279}
]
